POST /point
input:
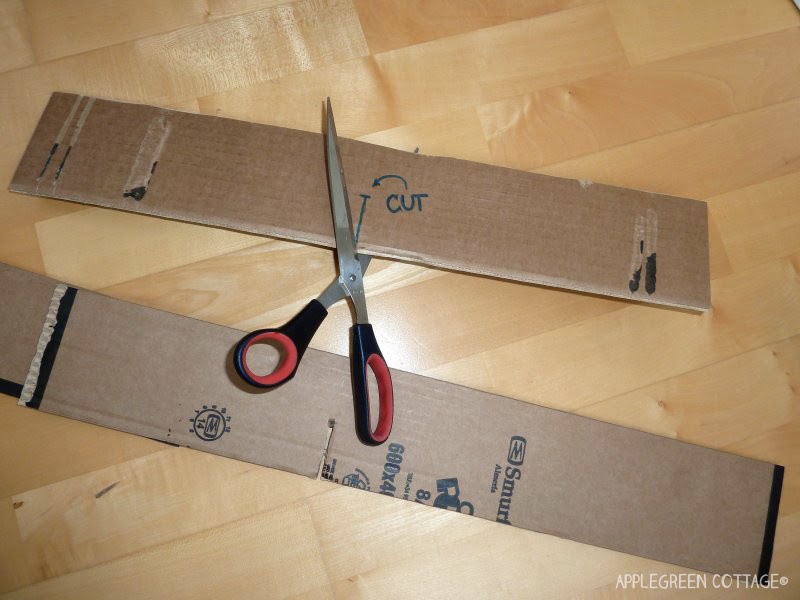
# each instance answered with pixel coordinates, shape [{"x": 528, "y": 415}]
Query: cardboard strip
[
  {"x": 433, "y": 210},
  {"x": 170, "y": 378}
]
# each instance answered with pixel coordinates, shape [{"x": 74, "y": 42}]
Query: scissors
[{"x": 293, "y": 338}]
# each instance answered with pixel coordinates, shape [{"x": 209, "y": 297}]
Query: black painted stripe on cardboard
[
  {"x": 50, "y": 352},
  {"x": 10, "y": 388},
  {"x": 772, "y": 521}
]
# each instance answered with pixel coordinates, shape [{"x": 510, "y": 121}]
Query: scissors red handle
[
  {"x": 291, "y": 340},
  {"x": 365, "y": 354}
]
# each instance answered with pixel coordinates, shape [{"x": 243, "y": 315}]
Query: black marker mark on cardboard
[
  {"x": 63, "y": 162},
  {"x": 636, "y": 257},
  {"x": 650, "y": 242},
  {"x": 139, "y": 192},
  {"x": 645, "y": 237},
  {"x": 75, "y": 135},
  {"x": 650, "y": 278},
  {"x": 364, "y": 198},
  {"x": 47, "y": 162},
  {"x": 144, "y": 165},
  {"x": 633, "y": 284},
  {"x": 60, "y": 137}
]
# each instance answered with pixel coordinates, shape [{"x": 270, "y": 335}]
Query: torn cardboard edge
[
  {"x": 47, "y": 346},
  {"x": 436, "y": 211},
  {"x": 452, "y": 447}
]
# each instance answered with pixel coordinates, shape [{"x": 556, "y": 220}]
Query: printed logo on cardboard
[
  {"x": 210, "y": 423},
  {"x": 511, "y": 475},
  {"x": 516, "y": 450},
  {"x": 357, "y": 479},
  {"x": 449, "y": 497}
]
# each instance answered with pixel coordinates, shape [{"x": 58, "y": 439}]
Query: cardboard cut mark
[
  {"x": 147, "y": 158},
  {"x": 645, "y": 237}
]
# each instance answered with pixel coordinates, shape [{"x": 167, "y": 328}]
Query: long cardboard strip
[
  {"x": 438, "y": 211},
  {"x": 170, "y": 378}
]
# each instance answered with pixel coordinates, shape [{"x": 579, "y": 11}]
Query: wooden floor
[{"x": 696, "y": 98}]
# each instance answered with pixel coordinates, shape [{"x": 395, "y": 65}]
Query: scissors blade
[{"x": 351, "y": 276}]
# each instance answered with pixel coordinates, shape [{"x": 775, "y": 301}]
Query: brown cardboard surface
[
  {"x": 24, "y": 301},
  {"x": 169, "y": 377},
  {"x": 438, "y": 211}
]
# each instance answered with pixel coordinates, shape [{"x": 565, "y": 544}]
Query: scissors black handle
[
  {"x": 364, "y": 354},
  {"x": 291, "y": 340}
]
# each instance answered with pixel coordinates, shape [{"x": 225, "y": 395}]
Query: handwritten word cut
[{"x": 398, "y": 203}]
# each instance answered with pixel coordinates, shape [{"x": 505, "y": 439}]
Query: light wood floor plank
[
  {"x": 384, "y": 90},
  {"x": 653, "y": 29},
  {"x": 15, "y": 571},
  {"x": 701, "y": 161},
  {"x": 426, "y": 20},
  {"x": 53, "y": 25},
  {"x": 688, "y": 97},
  {"x": 15, "y": 45},
  {"x": 55, "y": 448},
  {"x": 85, "y": 247},
  {"x": 761, "y": 222},
  {"x": 616, "y": 108},
  {"x": 735, "y": 392},
  {"x": 205, "y": 58},
  {"x": 564, "y": 368},
  {"x": 275, "y": 555},
  {"x": 142, "y": 503}
]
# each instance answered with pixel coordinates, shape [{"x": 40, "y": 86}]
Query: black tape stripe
[
  {"x": 50, "y": 352},
  {"x": 10, "y": 388},
  {"x": 771, "y": 524}
]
